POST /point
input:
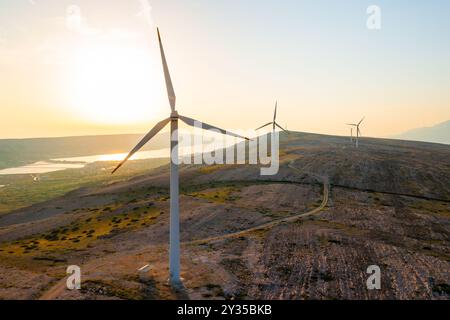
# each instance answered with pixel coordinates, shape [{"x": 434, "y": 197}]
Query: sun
[{"x": 113, "y": 85}]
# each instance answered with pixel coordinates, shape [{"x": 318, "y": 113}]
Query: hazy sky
[{"x": 92, "y": 66}]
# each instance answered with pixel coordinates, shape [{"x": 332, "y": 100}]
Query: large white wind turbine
[
  {"x": 358, "y": 131},
  {"x": 274, "y": 122},
  {"x": 174, "y": 255}
]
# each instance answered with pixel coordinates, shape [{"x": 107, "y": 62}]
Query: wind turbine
[
  {"x": 174, "y": 255},
  {"x": 358, "y": 131},
  {"x": 273, "y": 123},
  {"x": 274, "y": 151}
]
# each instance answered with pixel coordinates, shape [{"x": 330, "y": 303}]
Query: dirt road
[{"x": 274, "y": 223}]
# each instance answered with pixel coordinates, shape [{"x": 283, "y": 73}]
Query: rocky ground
[{"x": 389, "y": 205}]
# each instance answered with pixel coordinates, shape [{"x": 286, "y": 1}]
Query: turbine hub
[{"x": 174, "y": 115}]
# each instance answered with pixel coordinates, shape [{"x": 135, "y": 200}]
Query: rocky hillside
[{"x": 388, "y": 206}]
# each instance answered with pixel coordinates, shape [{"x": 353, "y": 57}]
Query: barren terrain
[{"x": 309, "y": 232}]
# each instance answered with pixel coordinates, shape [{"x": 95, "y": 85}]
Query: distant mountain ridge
[
  {"x": 439, "y": 133},
  {"x": 17, "y": 152}
]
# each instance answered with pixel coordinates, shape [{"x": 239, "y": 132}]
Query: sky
[{"x": 84, "y": 67}]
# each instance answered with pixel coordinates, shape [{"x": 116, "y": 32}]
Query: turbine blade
[
  {"x": 159, "y": 126},
  {"x": 169, "y": 86},
  {"x": 361, "y": 121},
  {"x": 275, "y": 113},
  {"x": 359, "y": 132},
  {"x": 280, "y": 127},
  {"x": 191, "y": 122},
  {"x": 267, "y": 124},
  {"x": 351, "y": 124}
]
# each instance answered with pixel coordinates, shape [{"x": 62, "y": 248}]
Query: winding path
[{"x": 326, "y": 188}]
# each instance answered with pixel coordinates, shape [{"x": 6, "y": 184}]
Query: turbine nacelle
[{"x": 174, "y": 115}]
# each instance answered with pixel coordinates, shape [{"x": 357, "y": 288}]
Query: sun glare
[{"x": 113, "y": 85}]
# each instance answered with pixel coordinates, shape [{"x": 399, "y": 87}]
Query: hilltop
[
  {"x": 248, "y": 236},
  {"x": 439, "y": 133}
]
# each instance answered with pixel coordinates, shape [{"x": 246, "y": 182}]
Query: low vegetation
[
  {"x": 79, "y": 234},
  {"x": 21, "y": 191}
]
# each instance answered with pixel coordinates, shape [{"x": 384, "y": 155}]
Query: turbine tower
[
  {"x": 358, "y": 131},
  {"x": 174, "y": 255}
]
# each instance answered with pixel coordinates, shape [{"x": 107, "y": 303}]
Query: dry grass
[
  {"x": 220, "y": 195},
  {"x": 79, "y": 234}
]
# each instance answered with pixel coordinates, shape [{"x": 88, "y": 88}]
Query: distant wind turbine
[
  {"x": 273, "y": 123},
  {"x": 174, "y": 255},
  {"x": 358, "y": 131}
]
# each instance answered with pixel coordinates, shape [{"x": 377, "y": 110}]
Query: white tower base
[{"x": 174, "y": 250}]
